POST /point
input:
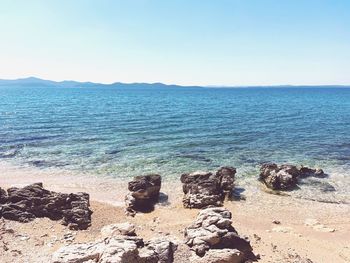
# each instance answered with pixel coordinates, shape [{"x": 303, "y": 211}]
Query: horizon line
[{"x": 172, "y": 84}]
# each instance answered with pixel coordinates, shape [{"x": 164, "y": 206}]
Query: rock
[
  {"x": 227, "y": 175},
  {"x": 225, "y": 255},
  {"x": 308, "y": 172},
  {"x": 144, "y": 193},
  {"x": 279, "y": 178},
  {"x": 323, "y": 228},
  {"x": 121, "y": 249},
  {"x": 3, "y": 196},
  {"x": 125, "y": 229},
  {"x": 282, "y": 229},
  {"x": 285, "y": 177},
  {"x": 203, "y": 189},
  {"x": 164, "y": 248},
  {"x": 316, "y": 225},
  {"x": 111, "y": 250},
  {"x": 311, "y": 222},
  {"x": 213, "y": 229},
  {"x": 32, "y": 201}
]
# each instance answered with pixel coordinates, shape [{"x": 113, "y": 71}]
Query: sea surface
[{"x": 122, "y": 132}]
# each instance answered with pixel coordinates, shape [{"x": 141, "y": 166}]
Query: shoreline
[{"x": 291, "y": 240}]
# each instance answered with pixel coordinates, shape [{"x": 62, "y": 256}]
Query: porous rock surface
[
  {"x": 203, "y": 189},
  {"x": 285, "y": 176},
  {"x": 144, "y": 193},
  {"x": 211, "y": 235},
  {"x": 32, "y": 201},
  {"x": 118, "y": 249}
]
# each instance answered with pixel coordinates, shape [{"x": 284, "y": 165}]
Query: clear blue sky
[{"x": 204, "y": 42}]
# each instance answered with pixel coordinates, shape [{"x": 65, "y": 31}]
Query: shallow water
[{"x": 121, "y": 132}]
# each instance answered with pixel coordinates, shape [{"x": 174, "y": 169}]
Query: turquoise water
[{"x": 125, "y": 132}]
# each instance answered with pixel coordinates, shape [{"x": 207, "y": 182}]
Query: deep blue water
[{"x": 125, "y": 132}]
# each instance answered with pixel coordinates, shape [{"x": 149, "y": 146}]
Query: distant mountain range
[{"x": 33, "y": 81}]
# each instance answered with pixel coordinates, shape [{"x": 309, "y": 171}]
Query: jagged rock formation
[
  {"x": 144, "y": 193},
  {"x": 32, "y": 201},
  {"x": 118, "y": 248},
  {"x": 203, "y": 189},
  {"x": 285, "y": 176},
  {"x": 211, "y": 235}
]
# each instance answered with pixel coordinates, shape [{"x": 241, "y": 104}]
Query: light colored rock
[
  {"x": 311, "y": 222},
  {"x": 125, "y": 229},
  {"x": 121, "y": 249},
  {"x": 318, "y": 226},
  {"x": 220, "y": 256},
  {"x": 323, "y": 228},
  {"x": 282, "y": 229},
  {"x": 212, "y": 229}
]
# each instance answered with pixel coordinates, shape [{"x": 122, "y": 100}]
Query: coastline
[{"x": 293, "y": 240}]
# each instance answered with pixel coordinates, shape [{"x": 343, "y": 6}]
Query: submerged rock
[
  {"x": 32, "y": 201},
  {"x": 144, "y": 193},
  {"x": 213, "y": 230},
  {"x": 285, "y": 176},
  {"x": 203, "y": 189}
]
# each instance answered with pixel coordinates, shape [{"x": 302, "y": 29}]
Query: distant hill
[
  {"x": 37, "y": 82},
  {"x": 32, "y": 82}
]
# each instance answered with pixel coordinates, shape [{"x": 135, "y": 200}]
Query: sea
[{"x": 123, "y": 132}]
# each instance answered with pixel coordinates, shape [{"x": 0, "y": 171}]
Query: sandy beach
[{"x": 280, "y": 228}]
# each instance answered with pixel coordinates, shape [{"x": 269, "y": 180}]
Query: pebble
[
  {"x": 316, "y": 225},
  {"x": 282, "y": 229}
]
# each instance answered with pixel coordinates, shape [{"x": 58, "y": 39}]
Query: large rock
[
  {"x": 285, "y": 177},
  {"x": 144, "y": 193},
  {"x": 203, "y": 189},
  {"x": 32, "y": 201},
  {"x": 213, "y": 229},
  {"x": 117, "y": 249}
]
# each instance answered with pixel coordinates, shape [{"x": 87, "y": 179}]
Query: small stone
[
  {"x": 282, "y": 229},
  {"x": 311, "y": 222},
  {"x": 126, "y": 229}
]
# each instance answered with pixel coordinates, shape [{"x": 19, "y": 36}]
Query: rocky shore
[{"x": 160, "y": 222}]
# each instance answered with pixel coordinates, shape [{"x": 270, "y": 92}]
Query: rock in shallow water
[
  {"x": 213, "y": 229},
  {"x": 144, "y": 193},
  {"x": 285, "y": 177},
  {"x": 203, "y": 189},
  {"x": 32, "y": 201}
]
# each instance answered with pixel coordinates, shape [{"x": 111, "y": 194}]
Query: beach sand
[{"x": 280, "y": 228}]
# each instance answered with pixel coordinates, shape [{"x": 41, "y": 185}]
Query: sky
[{"x": 186, "y": 42}]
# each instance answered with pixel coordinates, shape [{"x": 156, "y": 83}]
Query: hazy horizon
[
  {"x": 204, "y": 43},
  {"x": 34, "y": 78}
]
